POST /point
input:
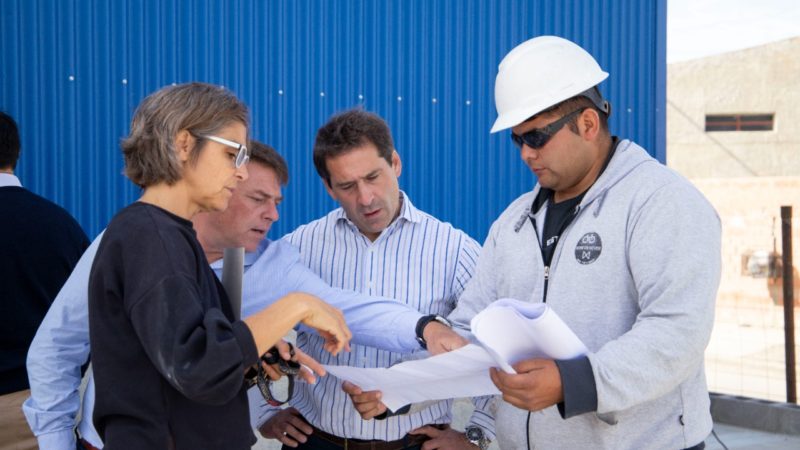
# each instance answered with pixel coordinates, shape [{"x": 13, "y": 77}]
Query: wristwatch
[
  {"x": 424, "y": 321},
  {"x": 476, "y": 437}
]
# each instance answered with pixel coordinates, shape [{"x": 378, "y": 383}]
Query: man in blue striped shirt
[{"x": 377, "y": 243}]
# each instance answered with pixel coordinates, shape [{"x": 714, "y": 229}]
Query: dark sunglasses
[{"x": 538, "y": 137}]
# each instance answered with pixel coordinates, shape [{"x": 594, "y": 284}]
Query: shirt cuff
[
  {"x": 58, "y": 440},
  {"x": 386, "y": 414},
  {"x": 578, "y": 386}
]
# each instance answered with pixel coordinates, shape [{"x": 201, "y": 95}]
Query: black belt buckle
[{"x": 287, "y": 367}]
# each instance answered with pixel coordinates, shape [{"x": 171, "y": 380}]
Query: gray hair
[{"x": 200, "y": 108}]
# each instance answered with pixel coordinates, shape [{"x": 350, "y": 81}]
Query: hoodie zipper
[{"x": 562, "y": 228}]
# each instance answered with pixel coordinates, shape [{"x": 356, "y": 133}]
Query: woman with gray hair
[{"x": 168, "y": 355}]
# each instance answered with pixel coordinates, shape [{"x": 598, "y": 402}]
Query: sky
[{"x": 698, "y": 28}]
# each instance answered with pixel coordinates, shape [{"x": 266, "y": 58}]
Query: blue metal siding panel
[{"x": 428, "y": 67}]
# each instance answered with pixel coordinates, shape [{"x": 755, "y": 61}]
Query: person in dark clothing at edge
[
  {"x": 41, "y": 244},
  {"x": 168, "y": 355}
]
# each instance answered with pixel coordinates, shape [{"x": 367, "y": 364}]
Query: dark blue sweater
[{"x": 40, "y": 245}]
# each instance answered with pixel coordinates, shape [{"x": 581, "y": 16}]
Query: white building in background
[{"x": 733, "y": 128}]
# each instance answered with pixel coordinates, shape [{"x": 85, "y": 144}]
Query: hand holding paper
[
  {"x": 512, "y": 331},
  {"x": 535, "y": 385},
  {"x": 508, "y": 331}
]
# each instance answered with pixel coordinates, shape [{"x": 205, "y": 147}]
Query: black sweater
[
  {"x": 40, "y": 245},
  {"x": 167, "y": 355}
]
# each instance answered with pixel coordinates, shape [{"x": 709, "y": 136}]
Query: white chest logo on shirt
[{"x": 588, "y": 249}]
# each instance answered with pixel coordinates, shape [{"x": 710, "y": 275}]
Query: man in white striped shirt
[{"x": 379, "y": 244}]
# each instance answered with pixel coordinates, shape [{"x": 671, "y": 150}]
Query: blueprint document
[{"x": 507, "y": 331}]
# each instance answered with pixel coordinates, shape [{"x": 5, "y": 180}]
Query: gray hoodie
[{"x": 635, "y": 276}]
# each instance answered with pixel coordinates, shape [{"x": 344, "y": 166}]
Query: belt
[{"x": 408, "y": 440}]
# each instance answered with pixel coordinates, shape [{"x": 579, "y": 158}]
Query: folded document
[{"x": 507, "y": 331}]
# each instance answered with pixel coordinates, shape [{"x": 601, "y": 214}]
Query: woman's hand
[
  {"x": 309, "y": 366},
  {"x": 270, "y": 324},
  {"x": 329, "y": 323}
]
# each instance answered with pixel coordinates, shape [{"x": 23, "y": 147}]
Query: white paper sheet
[
  {"x": 460, "y": 373},
  {"x": 508, "y": 331}
]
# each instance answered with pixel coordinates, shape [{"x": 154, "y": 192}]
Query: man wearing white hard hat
[{"x": 623, "y": 249}]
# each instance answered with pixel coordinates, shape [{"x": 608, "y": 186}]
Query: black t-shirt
[
  {"x": 557, "y": 217},
  {"x": 168, "y": 357}
]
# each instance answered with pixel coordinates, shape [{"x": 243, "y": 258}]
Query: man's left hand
[
  {"x": 367, "y": 403},
  {"x": 447, "y": 439},
  {"x": 441, "y": 339},
  {"x": 535, "y": 386}
]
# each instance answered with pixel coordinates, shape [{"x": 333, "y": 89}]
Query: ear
[
  {"x": 589, "y": 124},
  {"x": 184, "y": 144},
  {"x": 397, "y": 165}
]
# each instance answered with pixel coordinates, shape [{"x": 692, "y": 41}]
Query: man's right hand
[{"x": 287, "y": 426}]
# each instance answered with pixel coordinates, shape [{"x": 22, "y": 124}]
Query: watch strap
[{"x": 423, "y": 322}]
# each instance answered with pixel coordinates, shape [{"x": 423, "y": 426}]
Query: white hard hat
[{"x": 539, "y": 73}]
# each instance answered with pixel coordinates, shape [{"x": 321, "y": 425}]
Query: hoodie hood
[{"x": 625, "y": 157}]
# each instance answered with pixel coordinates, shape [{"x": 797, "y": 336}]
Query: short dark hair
[
  {"x": 267, "y": 156},
  {"x": 348, "y": 130},
  {"x": 9, "y": 141}
]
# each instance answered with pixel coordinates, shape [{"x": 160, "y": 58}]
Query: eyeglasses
[
  {"x": 538, "y": 137},
  {"x": 243, "y": 155}
]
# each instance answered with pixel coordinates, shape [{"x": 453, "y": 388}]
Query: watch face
[{"x": 474, "y": 434}]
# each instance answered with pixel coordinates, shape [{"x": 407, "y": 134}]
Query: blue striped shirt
[{"x": 416, "y": 260}]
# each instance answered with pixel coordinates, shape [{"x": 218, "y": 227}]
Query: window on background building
[{"x": 739, "y": 122}]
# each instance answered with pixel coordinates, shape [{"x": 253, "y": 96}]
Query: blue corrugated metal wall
[{"x": 73, "y": 71}]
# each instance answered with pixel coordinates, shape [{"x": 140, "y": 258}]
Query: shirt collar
[
  {"x": 250, "y": 258},
  {"x": 9, "y": 179},
  {"x": 408, "y": 212}
]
